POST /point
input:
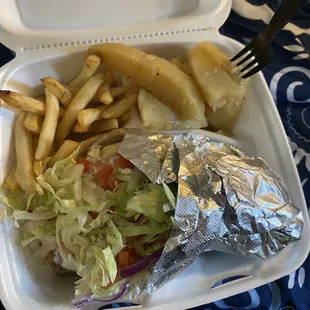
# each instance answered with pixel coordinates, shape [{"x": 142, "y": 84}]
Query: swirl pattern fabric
[{"x": 289, "y": 80}]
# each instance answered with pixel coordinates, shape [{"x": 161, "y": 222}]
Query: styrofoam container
[{"x": 49, "y": 41}]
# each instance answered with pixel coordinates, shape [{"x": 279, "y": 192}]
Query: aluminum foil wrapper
[{"x": 226, "y": 200}]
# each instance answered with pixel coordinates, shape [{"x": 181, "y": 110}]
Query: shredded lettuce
[{"x": 79, "y": 226}]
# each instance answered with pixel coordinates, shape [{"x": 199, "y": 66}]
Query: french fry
[
  {"x": 63, "y": 94},
  {"x": 24, "y": 174},
  {"x": 10, "y": 181},
  {"x": 80, "y": 129},
  {"x": 40, "y": 98},
  {"x": 123, "y": 119},
  {"x": 49, "y": 126},
  {"x": 106, "y": 138},
  {"x": 88, "y": 116},
  {"x": 110, "y": 150},
  {"x": 65, "y": 150},
  {"x": 62, "y": 111},
  {"x": 119, "y": 108},
  {"x": 78, "y": 103},
  {"x": 104, "y": 95},
  {"x": 117, "y": 91},
  {"x": 103, "y": 125},
  {"x": 89, "y": 69},
  {"x": 33, "y": 122},
  {"x": 22, "y": 102},
  {"x": 40, "y": 166}
]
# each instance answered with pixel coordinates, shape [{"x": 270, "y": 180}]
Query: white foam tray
[{"x": 259, "y": 132}]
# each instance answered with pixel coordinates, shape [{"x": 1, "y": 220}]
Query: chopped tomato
[
  {"x": 126, "y": 257},
  {"x": 93, "y": 214},
  {"x": 112, "y": 182},
  {"x": 84, "y": 162},
  {"x": 105, "y": 172},
  {"x": 121, "y": 162},
  {"x": 134, "y": 238},
  {"x": 104, "y": 183},
  {"x": 141, "y": 219}
]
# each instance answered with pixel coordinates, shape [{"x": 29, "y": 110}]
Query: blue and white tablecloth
[{"x": 289, "y": 80}]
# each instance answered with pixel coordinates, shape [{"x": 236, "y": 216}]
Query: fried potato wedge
[
  {"x": 78, "y": 103},
  {"x": 104, "y": 94},
  {"x": 24, "y": 174},
  {"x": 106, "y": 138},
  {"x": 224, "y": 118},
  {"x": 103, "y": 125},
  {"x": 123, "y": 119},
  {"x": 22, "y": 102},
  {"x": 156, "y": 116},
  {"x": 49, "y": 126},
  {"x": 117, "y": 109},
  {"x": 40, "y": 166},
  {"x": 79, "y": 128},
  {"x": 88, "y": 116},
  {"x": 33, "y": 122},
  {"x": 182, "y": 64},
  {"x": 109, "y": 150},
  {"x": 10, "y": 181},
  {"x": 171, "y": 85},
  {"x": 63, "y": 94},
  {"x": 65, "y": 150},
  {"x": 89, "y": 69},
  {"x": 214, "y": 74},
  {"x": 118, "y": 91}
]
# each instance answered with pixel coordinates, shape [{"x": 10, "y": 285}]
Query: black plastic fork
[{"x": 258, "y": 49}]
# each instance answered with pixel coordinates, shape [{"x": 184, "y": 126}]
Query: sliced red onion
[
  {"x": 116, "y": 296},
  {"x": 88, "y": 299},
  {"x": 130, "y": 271}
]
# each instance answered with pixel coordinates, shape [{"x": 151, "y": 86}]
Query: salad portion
[{"x": 103, "y": 220}]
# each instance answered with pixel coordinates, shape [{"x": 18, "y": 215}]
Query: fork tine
[
  {"x": 249, "y": 65},
  {"x": 243, "y": 60},
  {"x": 252, "y": 72},
  {"x": 242, "y": 52}
]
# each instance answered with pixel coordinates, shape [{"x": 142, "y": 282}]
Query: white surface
[
  {"x": 41, "y": 23},
  {"x": 23, "y": 284}
]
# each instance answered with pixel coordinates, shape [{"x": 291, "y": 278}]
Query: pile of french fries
[{"x": 51, "y": 127}]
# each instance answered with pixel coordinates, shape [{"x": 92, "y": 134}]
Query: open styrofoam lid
[{"x": 48, "y": 20}]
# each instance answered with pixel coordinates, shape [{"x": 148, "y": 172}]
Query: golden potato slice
[
  {"x": 213, "y": 72},
  {"x": 182, "y": 64},
  {"x": 171, "y": 85},
  {"x": 224, "y": 118},
  {"x": 156, "y": 116}
]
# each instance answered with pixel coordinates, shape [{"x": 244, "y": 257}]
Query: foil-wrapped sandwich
[{"x": 226, "y": 201}]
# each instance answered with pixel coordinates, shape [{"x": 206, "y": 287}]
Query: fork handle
[{"x": 282, "y": 16}]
